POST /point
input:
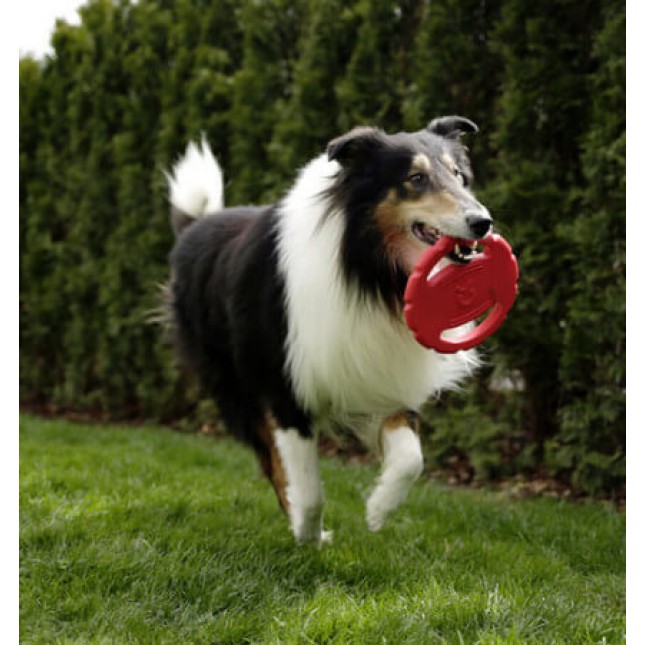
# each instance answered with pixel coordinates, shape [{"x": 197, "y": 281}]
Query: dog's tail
[{"x": 195, "y": 186}]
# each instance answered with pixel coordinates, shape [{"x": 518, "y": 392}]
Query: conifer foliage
[{"x": 269, "y": 82}]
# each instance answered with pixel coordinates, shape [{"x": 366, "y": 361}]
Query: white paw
[
  {"x": 375, "y": 516},
  {"x": 327, "y": 537},
  {"x": 324, "y": 537},
  {"x": 307, "y": 524}
]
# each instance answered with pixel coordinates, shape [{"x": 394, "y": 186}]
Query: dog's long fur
[{"x": 291, "y": 314}]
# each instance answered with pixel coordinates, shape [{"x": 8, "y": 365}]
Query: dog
[{"x": 291, "y": 314}]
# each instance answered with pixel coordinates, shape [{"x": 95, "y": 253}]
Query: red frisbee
[{"x": 460, "y": 293}]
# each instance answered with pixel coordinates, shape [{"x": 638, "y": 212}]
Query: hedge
[{"x": 269, "y": 83}]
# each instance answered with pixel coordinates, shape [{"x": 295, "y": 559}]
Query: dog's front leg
[
  {"x": 402, "y": 464},
  {"x": 299, "y": 455}
]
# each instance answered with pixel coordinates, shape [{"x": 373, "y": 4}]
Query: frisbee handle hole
[{"x": 451, "y": 332}]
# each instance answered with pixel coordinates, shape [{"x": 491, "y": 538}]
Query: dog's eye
[{"x": 418, "y": 179}]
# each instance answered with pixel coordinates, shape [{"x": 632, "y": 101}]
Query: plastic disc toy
[{"x": 460, "y": 293}]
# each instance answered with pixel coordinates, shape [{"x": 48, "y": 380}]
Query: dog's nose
[{"x": 479, "y": 225}]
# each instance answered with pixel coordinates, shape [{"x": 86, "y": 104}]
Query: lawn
[{"x": 148, "y": 536}]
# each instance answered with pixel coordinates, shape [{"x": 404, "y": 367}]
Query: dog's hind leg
[
  {"x": 271, "y": 461},
  {"x": 402, "y": 465}
]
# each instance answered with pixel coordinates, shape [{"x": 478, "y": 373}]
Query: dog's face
[{"x": 411, "y": 187}]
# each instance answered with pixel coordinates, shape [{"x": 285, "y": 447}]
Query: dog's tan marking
[
  {"x": 394, "y": 215},
  {"x": 421, "y": 163},
  {"x": 429, "y": 208},
  {"x": 392, "y": 222},
  {"x": 388, "y": 214},
  {"x": 272, "y": 463},
  {"x": 402, "y": 419},
  {"x": 448, "y": 161}
]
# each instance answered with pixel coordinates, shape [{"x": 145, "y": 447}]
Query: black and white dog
[{"x": 291, "y": 314}]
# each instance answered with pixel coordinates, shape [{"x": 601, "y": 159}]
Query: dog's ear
[
  {"x": 353, "y": 145},
  {"x": 452, "y": 127}
]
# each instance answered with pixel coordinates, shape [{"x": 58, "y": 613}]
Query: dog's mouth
[{"x": 430, "y": 235}]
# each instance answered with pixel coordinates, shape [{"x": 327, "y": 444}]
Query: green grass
[{"x": 147, "y": 536}]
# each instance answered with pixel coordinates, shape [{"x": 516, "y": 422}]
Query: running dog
[{"x": 292, "y": 313}]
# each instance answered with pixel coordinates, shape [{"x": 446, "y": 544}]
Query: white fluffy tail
[{"x": 195, "y": 183}]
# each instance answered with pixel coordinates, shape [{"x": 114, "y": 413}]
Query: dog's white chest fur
[{"x": 346, "y": 354}]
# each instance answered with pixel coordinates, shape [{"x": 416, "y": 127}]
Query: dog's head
[{"x": 409, "y": 189}]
